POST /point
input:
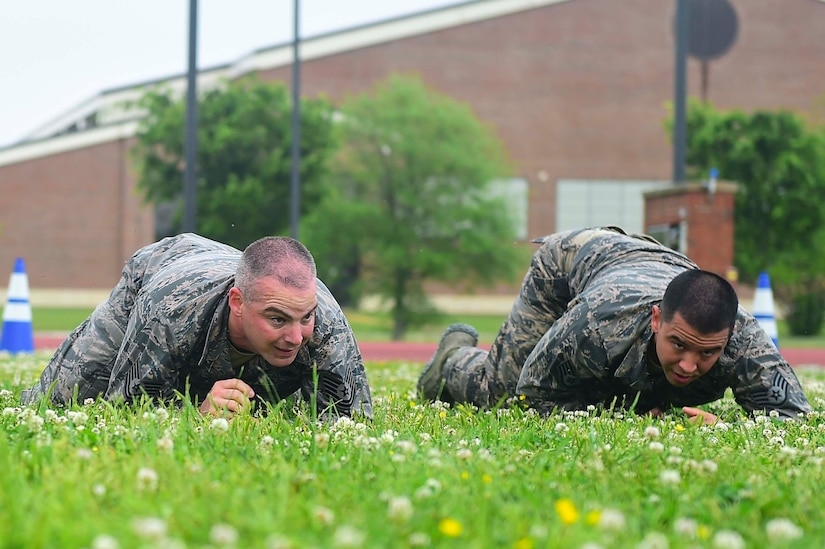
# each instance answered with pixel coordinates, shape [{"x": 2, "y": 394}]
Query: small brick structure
[{"x": 690, "y": 218}]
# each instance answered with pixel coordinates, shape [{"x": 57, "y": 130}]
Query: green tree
[
  {"x": 778, "y": 162},
  {"x": 412, "y": 201},
  {"x": 244, "y": 160}
]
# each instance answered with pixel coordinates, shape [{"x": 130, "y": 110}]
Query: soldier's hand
[
  {"x": 695, "y": 414},
  {"x": 227, "y": 395}
]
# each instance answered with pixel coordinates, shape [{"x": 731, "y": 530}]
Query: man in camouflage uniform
[
  {"x": 590, "y": 327},
  {"x": 193, "y": 317}
]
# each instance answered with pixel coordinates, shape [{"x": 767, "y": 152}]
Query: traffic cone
[
  {"x": 763, "y": 308},
  {"x": 18, "y": 336}
]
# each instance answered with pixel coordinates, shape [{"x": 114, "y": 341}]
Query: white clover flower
[
  {"x": 161, "y": 414},
  {"x": 166, "y": 444},
  {"x": 99, "y": 490},
  {"x": 687, "y": 527},
  {"x": 418, "y": 539},
  {"x": 652, "y": 432},
  {"x": 389, "y": 436},
  {"x": 710, "y": 466},
  {"x": 721, "y": 426},
  {"x": 654, "y": 540},
  {"x": 591, "y": 545},
  {"x": 348, "y": 536},
  {"x": 323, "y": 515},
  {"x": 774, "y": 413},
  {"x": 464, "y": 453},
  {"x": 147, "y": 480},
  {"x": 88, "y": 401},
  {"x": 219, "y": 425},
  {"x": 561, "y": 428},
  {"x": 105, "y": 541},
  {"x": 669, "y": 476},
  {"x": 400, "y": 509},
  {"x": 727, "y": 539},
  {"x": 78, "y": 418},
  {"x": 406, "y": 446},
  {"x": 612, "y": 519},
  {"x": 656, "y": 446},
  {"x": 321, "y": 440},
  {"x": 425, "y": 437},
  {"x": 223, "y": 534},
  {"x": 5, "y": 393},
  {"x": 782, "y": 529},
  {"x": 150, "y": 528}
]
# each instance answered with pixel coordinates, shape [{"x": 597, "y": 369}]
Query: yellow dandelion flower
[
  {"x": 524, "y": 543},
  {"x": 592, "y": 518},
  {"x": 567, "y": 511},
  {"x": 702, "y": 532},
  {"x": 450, "y": 527},
  {"x": 465, "y": 475},
  {"x": 442, "y": 414},
  {"x": 486, "y": 479},
  {"x": 680, "y": 427},
  {"x": 412, "y": 404},
  {"x": 521, "y": 397}
]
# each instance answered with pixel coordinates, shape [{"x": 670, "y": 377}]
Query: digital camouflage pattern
[
  {"x": 163, "y": 333},
  {"x": 579, "y": 331}
]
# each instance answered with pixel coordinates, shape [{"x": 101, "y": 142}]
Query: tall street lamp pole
[
  {"x": 191, "y": 130},
  {"x": 295, "y": 179}
]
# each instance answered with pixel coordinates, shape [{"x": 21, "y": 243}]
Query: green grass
[
  {"x": 371, "y": 326},
  {"x": 419, "y": 475}
]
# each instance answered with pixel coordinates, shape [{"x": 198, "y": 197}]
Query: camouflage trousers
[
  {"x": 486, "y": 379},
  {"x": 82, "y": 365}
]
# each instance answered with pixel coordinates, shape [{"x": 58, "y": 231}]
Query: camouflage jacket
[
  {"x": 163, "y": 332},
  {"x": 596, "y": 352}
]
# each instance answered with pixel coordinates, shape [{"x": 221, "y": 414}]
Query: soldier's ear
[
  {"x": 235, "y": 301},
  {"x": 656, "y": 319}
]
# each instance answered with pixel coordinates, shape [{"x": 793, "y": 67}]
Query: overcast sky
[{"x": 55, "y": 54}]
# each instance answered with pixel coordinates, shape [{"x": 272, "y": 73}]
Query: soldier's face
[
  {"x": 684, "y": 353},
  {"x": 275, "y": 324}
]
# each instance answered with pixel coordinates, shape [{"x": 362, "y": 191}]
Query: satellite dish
[{"x": 713, "y": 28}]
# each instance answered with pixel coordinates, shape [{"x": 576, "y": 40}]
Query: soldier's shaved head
[
  {"x": 705, "y": 300},
  {"x": 284, "y": 258}
]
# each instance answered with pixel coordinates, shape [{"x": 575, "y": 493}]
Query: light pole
[
  {"x": 190, "y": 173},
  {"x": 295, "y": 179},
  {"x": 680, "y": 85}
]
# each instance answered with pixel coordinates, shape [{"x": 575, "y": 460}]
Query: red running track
[{"x": 421, "y": 352}]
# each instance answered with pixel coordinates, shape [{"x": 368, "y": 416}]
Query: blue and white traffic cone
[
  {"x": 763, "y": 308},
  {"x": 18, "y": 336}
]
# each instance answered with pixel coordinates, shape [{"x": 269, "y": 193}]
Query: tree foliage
[
  {"x": 412, "y": 201},
  {"x": 244, "y": 157},
  {"x": 778, "y": 162}
]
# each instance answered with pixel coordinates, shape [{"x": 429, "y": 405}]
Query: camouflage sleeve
[
  {"x": 341, "y": 377},
  {"x": 762, "y": 379},
  {"x": 564, "y": 357},
  {"x": 145, "y": 364}
]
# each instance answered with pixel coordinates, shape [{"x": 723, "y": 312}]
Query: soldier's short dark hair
[
  {"x": 705, "y": 300},
  {"x": 280, "y": 256}
]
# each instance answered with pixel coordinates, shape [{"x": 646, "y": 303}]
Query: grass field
[
  {"x": 371, "y": 326},
  {"x": 418, "y": 475}
]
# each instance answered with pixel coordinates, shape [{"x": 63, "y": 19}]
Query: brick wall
[
  {"x": 74, "y": 217},
  {"x": 577, "y": 90}
]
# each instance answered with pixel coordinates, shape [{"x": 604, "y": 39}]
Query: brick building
[{"x": 577, "y": 89}]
